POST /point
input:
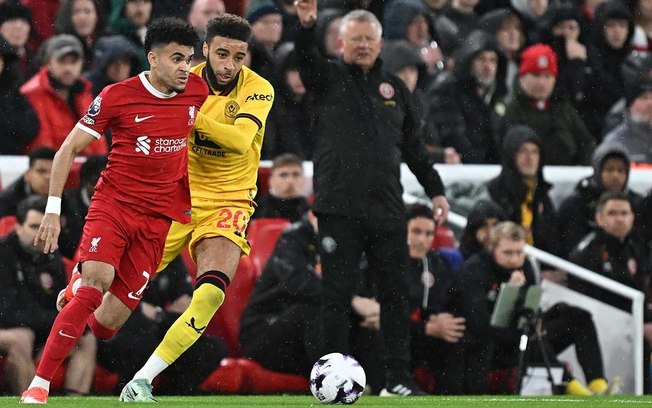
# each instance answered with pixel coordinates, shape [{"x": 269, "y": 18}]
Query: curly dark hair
[
  {"x": 418, "y": 211},
  {"x": 163, "y": 31},
  {"x": 229, "y": 26}
]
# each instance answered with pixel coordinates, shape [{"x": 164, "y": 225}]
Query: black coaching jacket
[{"x": 364, "y": 126}]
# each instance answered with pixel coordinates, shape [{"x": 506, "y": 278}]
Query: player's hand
[
  {"x": 440, "y": 207},
  {"x": 48, "y": 233},
  {"x": 445, "y": 326},
  {"x": 306, "y": 11}
]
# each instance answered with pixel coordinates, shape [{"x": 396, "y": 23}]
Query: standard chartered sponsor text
[{"x": 169, "y": 145}]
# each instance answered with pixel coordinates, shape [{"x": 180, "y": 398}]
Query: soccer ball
[{"x": 337, "y": 379}]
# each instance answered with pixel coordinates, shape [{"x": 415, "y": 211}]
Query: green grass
[{"x": 365, "y": 401}]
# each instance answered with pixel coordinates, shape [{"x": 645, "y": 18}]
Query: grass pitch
[{"x": 365, "y": 401}]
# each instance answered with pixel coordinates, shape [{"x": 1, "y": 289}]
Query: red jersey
[{"x": 148, "y": 162}]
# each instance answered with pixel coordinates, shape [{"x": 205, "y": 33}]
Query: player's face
[
  {"x": 421, "y": 233},
  {"x": 38, "y": 176},
  {"x": 509, "y": 254},
  {"x": 360, "y": 43},
  {"x": 27, "y": 231},
  {"x": 225, "y": 57},
  {"x": 170, "y": 67}
]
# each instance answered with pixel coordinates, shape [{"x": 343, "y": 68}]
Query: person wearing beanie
[
  {"x": 286, "y": 8},
  {"x": 565, "y": 140},
  {"x": 577, "y": 211},
  {"x": 15, "y": 29},
  {"x": 466, "y": 105},
  {"x": 266, "y": 25},
  {"x": 605, "y": 82},
  {"x": 635, "y": 133},
  {"x": 521, "y": 191}
]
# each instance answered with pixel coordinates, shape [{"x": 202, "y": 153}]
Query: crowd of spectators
[{"x": 519, "y": 83}]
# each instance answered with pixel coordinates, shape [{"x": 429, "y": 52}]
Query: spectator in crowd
[
  {"x": 358, "y": 209},
  {"x": 464, "y": 18},
  {"x": 115, "y": 59},
  {"x": 635, "y": 133},
  {"x": 83, "y": 19},
  {"x": 43, "y": 15},
  {"x": 434, "y": 303},
  {"x": 18, "y": 122},
  {"x": 507, "y": 29},
  {"x": 614, "y": 252},
  {"x": 489, "y": 347},
  {"x": 288, "y": 12},
  {"x": 644, "y": 223},
  {"x": 530, "y": 12},
  {"x": 642, "y": 40},
  {"x": 286, "y": 190},
  {"x": 200, "y": 12},
  {"x": 613, "y": 29},
  {"x": 280, "y": 313},
  {"x": 522, "y": 192},
  {"x": 59, "y": 94},
  {"x": 29, "y": 284},
  {"x": 561, "y": 29},
  {"x": 163, "y": 302},
  {"x": 35, "y": 181},
  {"x": 577, "y": 211},
  {"x": 130, "y": 18},
  {"x": 15, "y": 28},
  {"x": 288, "y": 125},
  {"x": 463, "y": 102},
  {"x": 266, "y": 24},
  {"x": 76, "y": 202},
  {"x": 409, "y": 20},
  {"x": 435, "y": 7},
  {"x": 565, "y": 139},
  {"x": 484, "y": 215},
  {"x": 328, "y": 29},
  {"x": 403, "y": 60}
]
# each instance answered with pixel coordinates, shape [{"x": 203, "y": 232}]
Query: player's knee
[{"x": 99, "y": 330}]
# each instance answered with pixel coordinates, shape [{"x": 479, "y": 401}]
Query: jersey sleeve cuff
[{"x": 88, "y": 130}]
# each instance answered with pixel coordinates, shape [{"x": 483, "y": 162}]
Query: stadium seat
[
  {"x": 262, "y": 234},
  {"x": 263, "y": 181},
  {"x": 244, "y": 376},
  {"x": 7, "y": 225},
  {"x": 444, "y": 238}
]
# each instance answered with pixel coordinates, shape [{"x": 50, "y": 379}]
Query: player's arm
[
  {"x": 236, "y": 138},
  {"x": 48, "y": 232}
]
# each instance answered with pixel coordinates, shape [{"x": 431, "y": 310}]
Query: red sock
[
  {"x": 99, "y": 330},
  {"x": 67, "y": 329}
]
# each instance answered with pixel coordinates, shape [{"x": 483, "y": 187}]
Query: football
[{"x": 337, "y": 379}]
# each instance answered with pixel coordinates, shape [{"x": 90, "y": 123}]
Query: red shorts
[{"x": 129, "y": 238}]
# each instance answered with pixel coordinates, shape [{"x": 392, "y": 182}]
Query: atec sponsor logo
[{"x": 259, "y": 97}]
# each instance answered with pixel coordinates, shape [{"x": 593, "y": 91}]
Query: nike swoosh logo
[
  {"x": 61, "y": 333},
  {"x": 138, "y": 120},
  {"x": 131, "y": 295}
]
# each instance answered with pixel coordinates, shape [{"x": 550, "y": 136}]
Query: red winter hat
[{"x": 537, "y": 59}]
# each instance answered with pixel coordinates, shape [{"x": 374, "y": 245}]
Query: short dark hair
[
  {"x": 286, "y": 159},
  {"x": 33, "y": 202},
  {"x": 417, "y": 210},
  {"x": 91, "y": 169},
  {"x": 166, "y": 30},
  {"x": 229, "y": 26},
  {"x": 608, "y": 196},
  {"x": 41, "y": 153}
]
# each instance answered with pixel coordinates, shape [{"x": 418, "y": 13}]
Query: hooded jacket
[
  {"x": 325, "y": 17},
  {"x": 398, "y": 14},
  {"x": 636, "y": 137},
  {"x": 480, "y": 213},
  {"x": 509, "y": 191},
  {"x": 463, "y": 119},
  {"x": 108, "y": 50},
  {"x": 18, "y": 122},
  {"x": 577, "y": 211}
]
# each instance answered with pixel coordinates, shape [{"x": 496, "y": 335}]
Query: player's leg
[
  {"x": 81, "y": 366},
  {"x": 68, "y": 327},
  {"x": 17, "y": 344}
]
